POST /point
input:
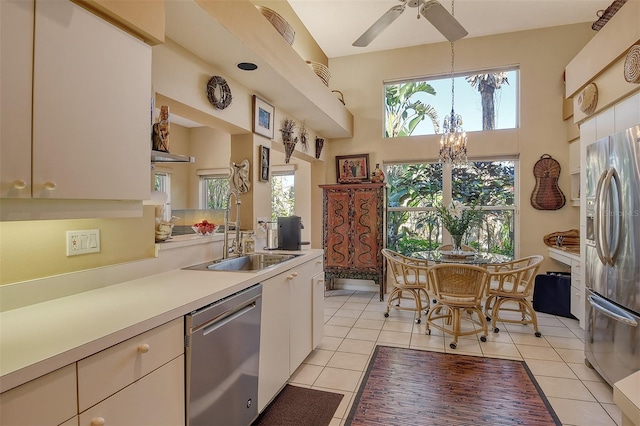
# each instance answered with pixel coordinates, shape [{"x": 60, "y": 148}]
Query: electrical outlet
[{"x": 83, "y": 242}]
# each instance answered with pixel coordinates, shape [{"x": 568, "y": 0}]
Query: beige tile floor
[{"x": 354, "y": 324}]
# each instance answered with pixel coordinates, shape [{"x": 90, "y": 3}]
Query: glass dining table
[{"x": 466, "y": 257}]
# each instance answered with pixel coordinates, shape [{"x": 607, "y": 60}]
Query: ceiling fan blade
[
  {"x": 442, "y": 20},
  {"x": 383, "y": 22}
]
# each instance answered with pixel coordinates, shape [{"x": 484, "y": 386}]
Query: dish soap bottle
[{"x": 249, "y": 243}]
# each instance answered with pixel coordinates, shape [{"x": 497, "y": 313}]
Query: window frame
[
  {"x": 279, "y": 171},
  {"x": 447, "y": 188},
  {"x": 457, "y": 100},
  {"x": 203, "y": 176},
  {"x": 165, "y": 186}
]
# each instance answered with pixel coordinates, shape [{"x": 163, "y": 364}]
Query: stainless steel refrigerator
[{"x": 612, "y": 344}]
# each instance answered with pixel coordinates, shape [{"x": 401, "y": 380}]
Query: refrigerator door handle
[
  {"x": 614, "y": 179},
  {"x": 598, "y": 234},
  {"x": 611, "y": 310}
]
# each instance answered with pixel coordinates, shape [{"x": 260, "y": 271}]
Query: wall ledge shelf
[{"x": 225, "y": 33}]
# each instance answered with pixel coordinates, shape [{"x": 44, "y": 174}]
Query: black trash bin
[{"x": 552, "y": 294}]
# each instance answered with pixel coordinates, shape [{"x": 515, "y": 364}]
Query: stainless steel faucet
[{"x": 236, "y": 243}]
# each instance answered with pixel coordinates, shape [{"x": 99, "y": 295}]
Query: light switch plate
[{"x": 83, "y": 242}]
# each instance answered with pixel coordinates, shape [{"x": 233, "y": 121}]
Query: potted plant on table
[{"x": 457, "y": 220}]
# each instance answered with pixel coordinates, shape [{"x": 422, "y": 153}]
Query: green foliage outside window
[
  {"x": 216, "y": 192},
  {"x": 282, "y": 196},
  {"x": 404, "y": 111},
  {"x": 415, "y": 190}
]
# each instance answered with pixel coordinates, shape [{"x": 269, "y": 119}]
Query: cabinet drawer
[
  {"x": 47, "y": 400},
  {"x": 577, "y": 303},
  {"x": 576, "y": 268},
  {"x": 156, "y": 399},
  {"x": 316, "y": 266},
  {"x": 106, "y": 372}
]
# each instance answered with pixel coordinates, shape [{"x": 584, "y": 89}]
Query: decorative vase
[
  {"x": 319, "y": 145},
  {"x": 289, "y": 147},
  {"x": 377, "y": 176},
  {"x": 457, "y": 243}
]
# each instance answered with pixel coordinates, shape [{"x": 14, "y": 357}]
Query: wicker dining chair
[
  {"x": 511, "y": 284},
  {"x": 410, "y": 281},
  {"x": 459, "y": 288}
]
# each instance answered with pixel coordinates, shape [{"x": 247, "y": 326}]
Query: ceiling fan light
[{"x": 442, "y": 20}]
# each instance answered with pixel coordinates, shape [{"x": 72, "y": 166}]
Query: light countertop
[
  {"x": 40, "y": 338},
  {"x": 626, "y": 395},
  {"x": 564, "y": 255}
]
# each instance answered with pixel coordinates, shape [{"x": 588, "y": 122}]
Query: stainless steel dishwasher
[{"x": 222, "y": 348}]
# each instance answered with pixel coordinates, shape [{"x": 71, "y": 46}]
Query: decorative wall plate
[
  {"x": 632, "y": 65},
  {"x": 588, "y": 99},
  {"x": 218, "y": 92}
]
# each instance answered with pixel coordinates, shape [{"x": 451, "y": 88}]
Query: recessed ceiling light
[{"x": 247, "y": 66}]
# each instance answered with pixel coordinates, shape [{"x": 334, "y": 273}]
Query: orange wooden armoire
[{"x": 353, "y": 232}]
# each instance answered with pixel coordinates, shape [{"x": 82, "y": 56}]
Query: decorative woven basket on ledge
[
  {"x": 321, "y": 71},
  {"x": 286, "y": 31},
  {"x": 569, "y": 240}
]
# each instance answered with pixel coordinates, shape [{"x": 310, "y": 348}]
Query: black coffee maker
[{"x": 289, "y": 233}]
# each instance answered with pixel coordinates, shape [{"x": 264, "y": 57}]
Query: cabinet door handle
[
  {"x": 295, "y": 274},
  {"x": 98, "y": 421},
  {"x": 50, "y": 186},
  {"x": 143, "y": 348},
  {"x": 292, "y": 276},
  {"x": 19, "y": 184}
]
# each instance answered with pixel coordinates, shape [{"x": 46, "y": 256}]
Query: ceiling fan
[{"x": 432, "y": 10}]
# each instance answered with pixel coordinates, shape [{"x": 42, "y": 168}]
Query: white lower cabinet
[
  {"x": 577, "y": 285},
  {"x": 318, "y": 284},
  {"x": 577, "y": 291},
  {"x": 155, "y": 399},
  {"x": 137, "y": 382},
  {"x": 112, "y": 369},
  {"x": 71, "y": 422},
  {"x": 47, "y": 400},
  {"x": 286, "y": 336}
]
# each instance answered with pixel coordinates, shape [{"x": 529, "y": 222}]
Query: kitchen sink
[{"x": 247, "y": 263}]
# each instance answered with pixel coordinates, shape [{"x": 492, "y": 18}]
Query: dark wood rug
[
  {"x": 413, "y": 387},
  {"x": 296, "y": 406}
]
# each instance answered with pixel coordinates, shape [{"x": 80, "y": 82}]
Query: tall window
[
  {"x": 486, "y": 100},
  {"x": 412, "y": 224},
  {"x": 283, "y": 195},
  {"x": 214, "y": 189},
  {"x": 162, "y": 183}
]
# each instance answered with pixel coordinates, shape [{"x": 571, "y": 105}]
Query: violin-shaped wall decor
[{"x": 546, "y": 194}]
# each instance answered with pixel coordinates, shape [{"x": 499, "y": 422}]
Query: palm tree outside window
[{"x": 487, "y": 99}]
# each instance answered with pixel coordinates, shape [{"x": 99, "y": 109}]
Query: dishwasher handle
[
  {"x": 226, "y": 317},
  {"x": 216, "y": 323}
]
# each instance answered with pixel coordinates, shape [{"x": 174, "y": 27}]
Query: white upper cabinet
[
  {"x": 16, "y": 44},
  {"x": 91, "y": 107},
  {"x": 86, "y": 135}
]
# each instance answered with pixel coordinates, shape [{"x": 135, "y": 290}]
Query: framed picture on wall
[
  {"x": 263, "y": 117},
  {"x": 265, "y": 152},
  {"x": 352, "y": 168}
]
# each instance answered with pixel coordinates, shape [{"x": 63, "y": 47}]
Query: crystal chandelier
[{"x": 453, "y": 143}]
